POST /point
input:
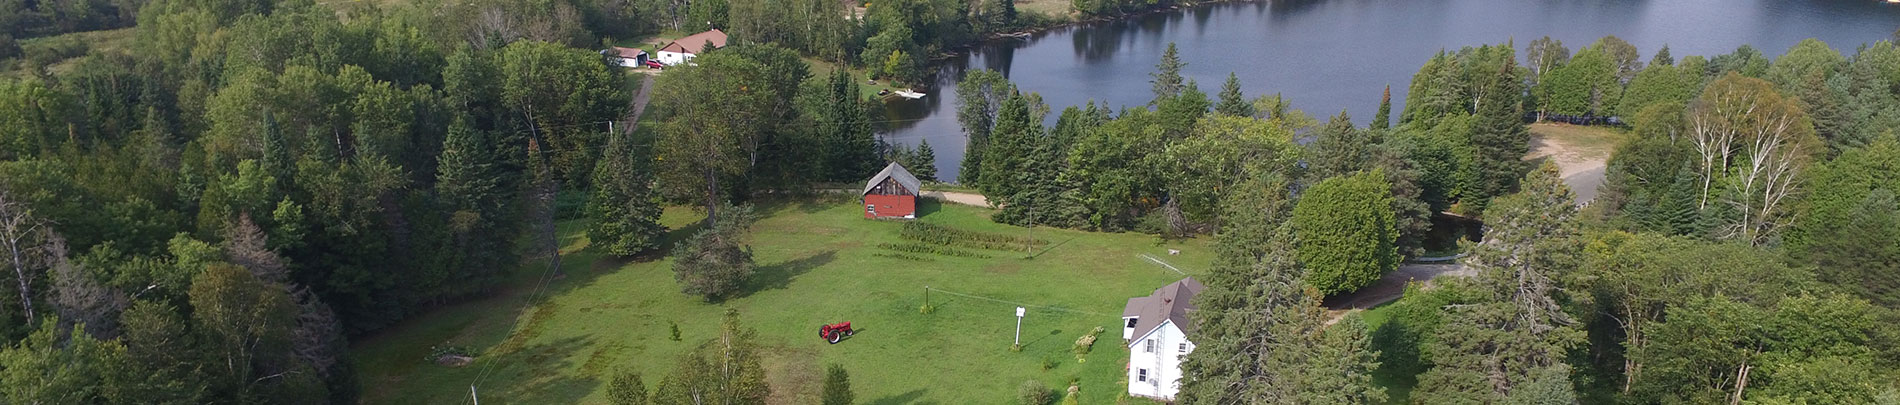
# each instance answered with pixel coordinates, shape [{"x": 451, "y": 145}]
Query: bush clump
[
  {"x": 944, "y": 235},
  {"x": 930, "y": 249}
]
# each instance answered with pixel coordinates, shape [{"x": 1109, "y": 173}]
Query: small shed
[
  {"x": 892, "y": 193},
  {"x": 626, "y": 57}
]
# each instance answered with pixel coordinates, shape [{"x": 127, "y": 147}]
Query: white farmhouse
[
  {"x": 1156, "y": 328},
  {"x": 684, "y": 49}
]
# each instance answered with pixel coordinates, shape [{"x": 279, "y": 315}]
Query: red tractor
[{"x": 835, "y": 332}]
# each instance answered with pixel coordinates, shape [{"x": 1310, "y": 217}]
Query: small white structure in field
[
  {"x": 1156, "y": 329},
  {"x": 684, "y": 49}
]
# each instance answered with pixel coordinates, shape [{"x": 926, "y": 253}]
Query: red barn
[{"x": 892, "y": 193}]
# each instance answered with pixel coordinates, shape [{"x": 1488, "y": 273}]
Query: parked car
[{"x": 652, "y": 64}]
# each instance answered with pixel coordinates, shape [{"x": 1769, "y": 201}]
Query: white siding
[
  {"x": 627, "y": 62},
  {"x": 671, "y": 58},
  {"x": 1163, "y": 364}
]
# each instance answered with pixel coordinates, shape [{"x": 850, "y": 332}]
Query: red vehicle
[
  {"x": 835, "y": 332},
  {"x": 655, "y": 65}
]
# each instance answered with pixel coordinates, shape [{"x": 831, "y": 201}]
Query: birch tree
[
  {"x": 21, "y": 234},
  {"x": 1754, "y": 143}
]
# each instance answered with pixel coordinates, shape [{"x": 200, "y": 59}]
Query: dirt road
[
  {"x": 1581, "y": 154},
  {"x": 957, "y": 197}
]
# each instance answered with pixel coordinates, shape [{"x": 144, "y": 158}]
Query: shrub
[
  {"x": 1086, "y": 342},
  {"x": 948, "y": 236},
  {"x": 904, "y": 256},
  {"x": 930, "y": 249},
  {"x": 1034, "y": 392},
  {"x": 1049, "y": 363}
]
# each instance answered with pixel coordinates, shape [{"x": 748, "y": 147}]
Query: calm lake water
[{"x": 1332, "y": 55}]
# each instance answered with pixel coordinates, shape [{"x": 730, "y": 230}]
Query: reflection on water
[{"x": 1332, "y": 55}]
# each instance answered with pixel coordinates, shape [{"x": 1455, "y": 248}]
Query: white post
[
  {"x": 471, "y": 395},
  {"x": 1019, "y": 326}
]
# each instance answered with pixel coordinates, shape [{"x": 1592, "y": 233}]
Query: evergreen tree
[
  {"x": 845, "y": 130},
  {"x": 627, "y": 389},
  {"x": 980, "y": 97},
  {"x": 624, "y": 209},
  {"x": 1249, "y": 308},
  {"x": 1500, "y": 139},
  {"x": 837, "y": 389},
  {"x": 481, "y": 204},
  {"x": 1340, "y": 372},
  {"x": 923, "y": 163},
  {"x": 1339, "y": 150},
  {"x": 1232, "y": 103},
  {"x": 1384, "y": 119},
  {"x": 714, "y": 263},
  {"x": 1345, "y": 232},
  {"x": 1010, "y": 149},
  {"x": 1662, "y": 57},
  {"x": 1167, "y": 77},
  {"x": 1517, "y": 332}
]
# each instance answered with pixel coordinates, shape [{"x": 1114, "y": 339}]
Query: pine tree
[
  {"x": 923, "y": 162},
  {"x": 480, "y": 205},
  {"x": 624, "y": 208},
  {"x": 627, "y": 389},
  {"x": 1340, "y": 372},
  {"x": 837, "y": 389},
  {"x": 1500, "y": 138},
  {"x": 1011, "y": 147},
  {"x": 1250, "y": 316},
  {"x": 1167, "y": 77},
  {"x": 1384, "y": 119},
  {"x": 1232, "y": 103},
  {"x": 1516, "y": 332},
  {"x": 849, "y": 143},
  {"x": 1662, "y": 57},
  {"x": 1339, "y": 150}
]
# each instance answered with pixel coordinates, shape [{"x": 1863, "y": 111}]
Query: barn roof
[
  {"x": 695, "y": 44},
  {"x": 1171, "y": 302},
  {"x": 897, "y": 172}
]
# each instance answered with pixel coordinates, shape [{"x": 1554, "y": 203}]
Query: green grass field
[{"x": 817, "y": 265}]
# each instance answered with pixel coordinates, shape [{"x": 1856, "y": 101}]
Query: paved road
[{"x": 1390, "y": 287}]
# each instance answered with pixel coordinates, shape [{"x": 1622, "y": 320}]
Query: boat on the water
[{"x": 908, "y": 94}]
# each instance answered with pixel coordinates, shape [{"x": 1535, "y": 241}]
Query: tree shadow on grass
[
  {"x": 1039, "y": 339},
  {"x": 779, "y": 276},
  {"x": 901, "y": 399},
  {"x": 536, "y": 374}
]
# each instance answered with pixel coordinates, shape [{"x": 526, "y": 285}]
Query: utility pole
[{"x": 471, "y": 395}]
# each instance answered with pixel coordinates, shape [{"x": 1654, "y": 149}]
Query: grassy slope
[{"x": 816, "y": 267}]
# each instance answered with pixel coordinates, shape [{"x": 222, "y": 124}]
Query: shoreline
[{"x": 1031, "y": 32}]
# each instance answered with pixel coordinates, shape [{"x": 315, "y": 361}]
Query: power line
[{"x": 1013, "y": 302}]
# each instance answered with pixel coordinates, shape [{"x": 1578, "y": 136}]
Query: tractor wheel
[
  {"x": 823, "y": 331},
  {"x": 835, "y": 337}
]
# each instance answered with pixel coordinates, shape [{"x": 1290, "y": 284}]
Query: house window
[
  {"x": 1141, "y": 375},
  {"x": 1181, "y": 348},
  {"x": 1131, "y": 322},
  {"x": 1148, "y": 346}
]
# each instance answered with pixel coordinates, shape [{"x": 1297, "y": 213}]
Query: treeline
[
  {"x": 1737, "y": 254},
  {"x": 205, "y": 220}
]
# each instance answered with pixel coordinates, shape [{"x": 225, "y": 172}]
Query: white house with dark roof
[
  {"x": 1156, "y": 329},
  {"x": 684, "y": 49}
]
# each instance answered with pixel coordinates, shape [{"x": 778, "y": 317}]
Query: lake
[{"x": 1328, "y": 56}]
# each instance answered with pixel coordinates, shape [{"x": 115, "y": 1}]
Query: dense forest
[{"x": 212, "y": 217}]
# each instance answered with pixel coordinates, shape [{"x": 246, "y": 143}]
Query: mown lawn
[{"x": 817, "y": 265}]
